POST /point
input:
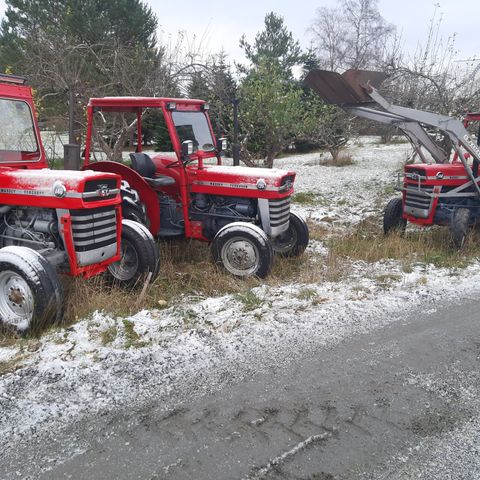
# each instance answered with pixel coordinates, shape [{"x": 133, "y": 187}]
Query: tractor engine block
[
  {"x": 29, "y": 227},
  {"x": 216, "y": 211}
]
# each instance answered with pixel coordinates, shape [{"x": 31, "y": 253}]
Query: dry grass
[
  {"x": 186, "y": 270},
  {"x": 429, "y": 246},
  {"x": 343, "y": 160}
]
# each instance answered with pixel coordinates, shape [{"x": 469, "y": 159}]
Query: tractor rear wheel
[
  {"x": 243, "y": 249},
  {"x": 139, "y": 256},
  {"x": 392, "y": 217},
  {"x": 459, "y": 226},
  {"x": 31, "y": 296},
  {"x": 294, "y": 241}
]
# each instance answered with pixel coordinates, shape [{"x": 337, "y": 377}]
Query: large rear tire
[
  {"x": 139, "y": 256},
  {"x": 392, "y": 217},
  {"x": 31, "y": 295},
  {"x": 294, "y": 241},
  {"x": 243, "y": 249},
  {"x": 459, "y": 226}
]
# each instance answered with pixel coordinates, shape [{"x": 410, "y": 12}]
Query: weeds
[
  {"x": 249, "y": 300},
  {"x": 132, "y": 339},
  {"x": 308, "y": 198},
  {"x": 187, "y": 272},
  {"x": 342, "y": 160},
  {"x": 109, "y": 335},
  {"x": 307, "y": 294},
  {"x": 11, "y": 365},
  {"x": 427, "y": 246}
]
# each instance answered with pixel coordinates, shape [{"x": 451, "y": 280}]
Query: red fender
[{"x": 147, "y": 194}]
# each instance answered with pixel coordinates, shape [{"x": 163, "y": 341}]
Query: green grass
[
  {"x": 307, "y": 293},
  {"x": 308, "y": 198},
  {"x": 132, "y": 339},
  {"x": 249, "y": 300},
  {"x": 108, "y": 336}
]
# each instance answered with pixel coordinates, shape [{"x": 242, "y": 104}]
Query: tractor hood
[
  {"x": 436, "y": 174},
  {"x": 61, "y": 188},
  {"x": 254, "y": 180}
]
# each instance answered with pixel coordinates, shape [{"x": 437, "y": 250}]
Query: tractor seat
[{"x": 144, "y": 165}]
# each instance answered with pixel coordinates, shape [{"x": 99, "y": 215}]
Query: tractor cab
[
  {"x": 20, "y": 141},
  {"x": 184, "y": 190},
  {"x": 54, "y": 221}
]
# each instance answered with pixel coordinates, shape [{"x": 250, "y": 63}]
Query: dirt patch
[{"x": 436, "y": 421}]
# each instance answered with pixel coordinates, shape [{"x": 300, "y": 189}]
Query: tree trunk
[
  {"x": 269, "y": 160},
  {"x": 334, "y": 152}
]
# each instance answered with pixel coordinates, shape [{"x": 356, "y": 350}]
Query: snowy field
[{"x": 50, "y": 383}]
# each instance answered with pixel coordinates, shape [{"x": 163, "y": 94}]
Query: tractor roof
[{"x": 133, "y": 104}]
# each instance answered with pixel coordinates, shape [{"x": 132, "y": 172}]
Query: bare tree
[
  {"x": 165, "y": 72},
  {"x": 434, "y": 78},
  {"x": 352, "y": 35}
]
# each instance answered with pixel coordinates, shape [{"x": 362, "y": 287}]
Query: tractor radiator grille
[
  {"x": 417, "y": 203},
  {"x": 94, "y": 228},
  {"x": 279, "y": 210},
  {"x": 96, "y": 190}
]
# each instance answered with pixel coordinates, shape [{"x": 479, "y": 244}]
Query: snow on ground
[
  {"x": 454, "y": 452},
  {"x": 346, "y": 195},
  {"x": 101, "y": 363}
]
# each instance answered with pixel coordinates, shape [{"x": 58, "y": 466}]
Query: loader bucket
[{"x": 350, "y": 88}]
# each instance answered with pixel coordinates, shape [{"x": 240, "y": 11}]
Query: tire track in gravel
[{"x": 336, "y": 413}]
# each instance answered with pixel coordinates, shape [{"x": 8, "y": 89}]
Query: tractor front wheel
[
  {"x": 392, "y": 217},
  {"x": 459, "y": 226},
  {"x": 243, "y": 249},
  {"x": 294, "y": 241},
  {"x": 31, "y": 296},
  {"x": 139, "y": 256}
]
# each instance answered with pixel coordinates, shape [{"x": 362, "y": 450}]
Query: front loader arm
[{"x": 356, "y": 90}]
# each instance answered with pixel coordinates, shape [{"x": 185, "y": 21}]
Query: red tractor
[
  {"x": 443, "y": 189},
  {"x": 55, "y": 221},
  {"x": 243, "y": 212}
]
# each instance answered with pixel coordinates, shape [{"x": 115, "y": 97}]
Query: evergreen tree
[
  {"x": 74, "y": 49},
  {"x": 274, "y": 44}
]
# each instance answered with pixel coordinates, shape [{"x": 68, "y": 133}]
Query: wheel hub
[
  {"x": 16, "y": 298},
  {"x": 240, "y": 256}
]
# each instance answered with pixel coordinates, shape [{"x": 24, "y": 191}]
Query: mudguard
[{"x": 147, "y": 194}]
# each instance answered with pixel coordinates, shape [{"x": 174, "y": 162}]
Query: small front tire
[
  {"x": 459, "y": 226},
  {"x": 139, "y": 256},
  {"x": 243, "y": 249},
  {"x": 31, "y": 295},
  {"x": 393, "y": 220},
  {"x": 294, "y": 241}
]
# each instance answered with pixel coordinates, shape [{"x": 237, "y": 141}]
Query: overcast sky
[{"x": 221, "y": 23}]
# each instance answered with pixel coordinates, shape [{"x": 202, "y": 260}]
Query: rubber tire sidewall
[
  {"x": 44, "y": 284},
  {"x": 303, "y": 237},
  {"x": 255, "y": 235},
  {"x": 459, "y": 226},
  {"x": 147, "y": 253},
  {"x": 392, "y": 217}
]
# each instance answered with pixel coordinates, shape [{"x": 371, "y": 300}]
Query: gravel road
[{"x": 399, "y": 402}]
